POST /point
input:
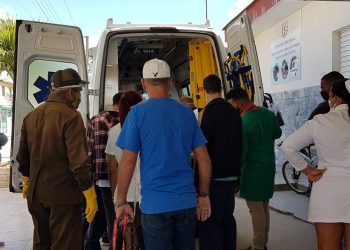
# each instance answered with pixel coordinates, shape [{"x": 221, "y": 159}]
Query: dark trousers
[
  {"x": 56, "y": 227},
  {"x": 104, "y": 218},
  {"x": 107, "y": 200},
  {"x": 172, "y": 230},
  {"x": 219, "y": 232}
]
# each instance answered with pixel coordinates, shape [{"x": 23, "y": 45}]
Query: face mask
[{"x": 324, "y": 95}]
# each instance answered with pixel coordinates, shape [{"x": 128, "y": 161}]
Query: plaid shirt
[{"x": 97, "y": 136}]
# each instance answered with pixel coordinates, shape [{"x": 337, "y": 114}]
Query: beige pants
[{"x": 259, "y": 211}]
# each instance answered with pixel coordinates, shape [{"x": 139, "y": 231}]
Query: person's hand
[
  {"x": 314, "y": 174},
  {"x": 203, "y": 208},
  {"x": 124, "y": 209},
  {"x": 25, "y": 186},
  {"x": 91, "y": 203}
]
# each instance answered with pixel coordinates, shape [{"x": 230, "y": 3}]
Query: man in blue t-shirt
[{"x": 165, "y": 133}]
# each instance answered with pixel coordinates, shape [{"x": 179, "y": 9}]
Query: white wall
[{"x": 320, "y": 25}]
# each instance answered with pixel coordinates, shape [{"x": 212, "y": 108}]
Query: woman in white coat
[{"x": 330, "y": 197}]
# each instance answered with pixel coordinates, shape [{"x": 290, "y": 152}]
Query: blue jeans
[
  {"x": 219, "y": 232},
  {"x": 170, "y": 231}
]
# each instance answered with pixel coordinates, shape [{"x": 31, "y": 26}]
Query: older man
[
  {"x": 165, "y": 133},
  {"x": 52, "y": 158}
]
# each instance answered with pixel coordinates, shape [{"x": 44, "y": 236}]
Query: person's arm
[
  {"x": 23, "y": 159},
  {"x": 77, "y": 152},
  {"x": 291, "y": 146},
  {"x": 23, "y": 156},
  {"x": 125, "y": 172},
  {"x": 112, "y": 151},
  {"x": 112, "y": 172},
  {"x": 204, "y": 170}
]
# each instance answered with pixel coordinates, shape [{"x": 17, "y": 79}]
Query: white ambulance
[{"x": 192, "y": 51}]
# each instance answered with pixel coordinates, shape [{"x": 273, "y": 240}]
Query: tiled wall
[{"x": 295, "y": 106}]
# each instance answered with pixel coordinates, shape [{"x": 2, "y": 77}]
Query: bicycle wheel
[{"x": 296, "y": 180}]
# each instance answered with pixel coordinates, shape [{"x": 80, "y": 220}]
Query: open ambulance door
[
  {"x": 240, "y": 42},
  {"x": 41, "y": 49}
]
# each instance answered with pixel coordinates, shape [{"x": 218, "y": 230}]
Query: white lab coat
[{"x": 330, "y": 196}]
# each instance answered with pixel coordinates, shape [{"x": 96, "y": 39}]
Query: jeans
[
  {"x": 219, "y": 232},
  {"x": 170, "y": 231}
]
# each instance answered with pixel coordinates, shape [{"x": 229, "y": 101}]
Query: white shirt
[
  {"x": 134, "y": 188},
  {"x": 331, "y": 135},
  {"x": 330, "y": 196}
]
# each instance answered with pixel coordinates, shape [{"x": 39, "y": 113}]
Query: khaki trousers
[
  {"x": 56, "y": 227},
  {"x": 259, "y": 210}
]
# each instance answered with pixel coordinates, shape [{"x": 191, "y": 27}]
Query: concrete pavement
[{"x": 286, "y": 233}]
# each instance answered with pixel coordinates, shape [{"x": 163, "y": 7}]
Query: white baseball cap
[{"x": 156, "y": 69}]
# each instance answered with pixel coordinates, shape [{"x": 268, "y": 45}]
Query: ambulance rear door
[
  {"x": 239, "y": 32},
  {"x": 41, "y": 49}
]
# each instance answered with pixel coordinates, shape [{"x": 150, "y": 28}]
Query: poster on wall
[{"x": 285, "y": 57}]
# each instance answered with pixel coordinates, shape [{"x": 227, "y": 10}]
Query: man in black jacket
[
  {"x": 326, "y": 84},
  {"x": 222, "y": 126}
]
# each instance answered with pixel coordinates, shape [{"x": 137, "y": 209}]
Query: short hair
[
  {"x": 212, "y": 84},
  {"x": 236, "y": 94},
  {"x": 332, "y": 77},
  {"x": 116, "y": 98},
  {"x": 158, "y": 81}
]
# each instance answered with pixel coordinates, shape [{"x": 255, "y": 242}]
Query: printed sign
[{"x": 285, "y": 57}]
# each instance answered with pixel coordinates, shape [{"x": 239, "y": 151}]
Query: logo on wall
[
  {"x": 276, "y": 71},
  {"x": 284, "y": 28},
  {"x": 284, "y": 69}
]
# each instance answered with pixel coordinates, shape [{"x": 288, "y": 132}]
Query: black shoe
[{"x": 105, "y": 240}]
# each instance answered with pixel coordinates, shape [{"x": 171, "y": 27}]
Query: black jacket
[
  {"x": 322, "y": 108},
  {"x": 222, "y": 127}
]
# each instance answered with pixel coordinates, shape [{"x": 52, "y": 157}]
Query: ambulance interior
[{"x": 191, "y": 57}]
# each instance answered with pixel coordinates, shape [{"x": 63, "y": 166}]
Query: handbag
[{"x": 118, "y": 241}]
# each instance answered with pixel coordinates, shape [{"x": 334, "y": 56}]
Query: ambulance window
[{"x": 39, "y": 74}]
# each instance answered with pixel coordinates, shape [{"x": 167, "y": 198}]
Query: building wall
[{"x": 320, "y": 23}]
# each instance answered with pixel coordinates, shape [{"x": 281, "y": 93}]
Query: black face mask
[{"x": 324, "y": 95}]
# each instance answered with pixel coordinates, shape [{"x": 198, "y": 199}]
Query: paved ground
[{"x": 287, "y": 232}]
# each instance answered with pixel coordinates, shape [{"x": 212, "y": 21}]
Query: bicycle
[{"x": 297, "y": 180}]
